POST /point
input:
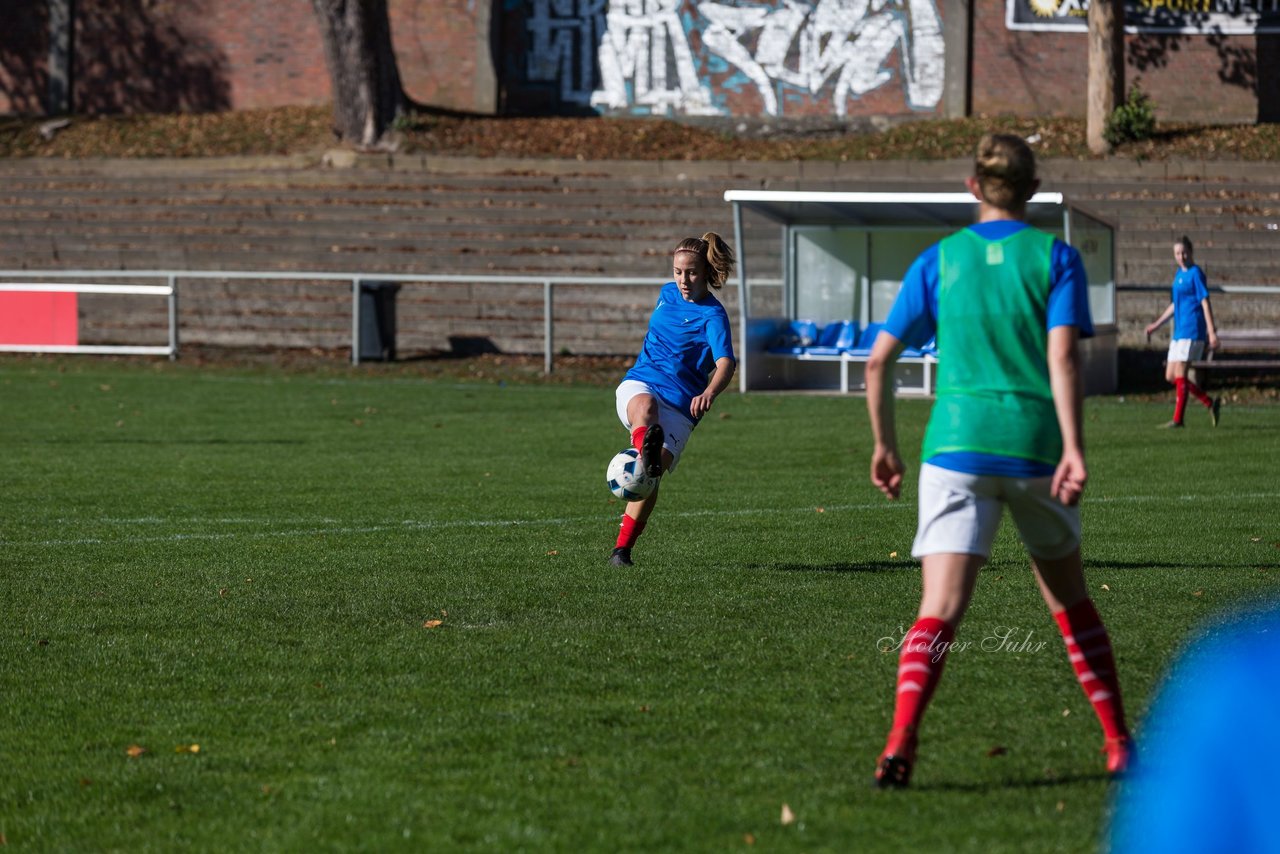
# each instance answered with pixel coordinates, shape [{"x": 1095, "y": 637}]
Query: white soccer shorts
[
  {"x": 1185, "y": 349},
  {"x": 960, "y": 514},
  {"x": 676, "y": 428}
]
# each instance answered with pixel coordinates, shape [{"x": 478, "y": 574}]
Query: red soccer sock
[
  {"x": 1199, "y": 394},
  {"x": 631, "y": 530},
  {"x": 1089, "y": 648},
  {"x": 637, "y": 436},
  {"x": 1180, "y": 400},
  {"x": 924, "y": 651}
]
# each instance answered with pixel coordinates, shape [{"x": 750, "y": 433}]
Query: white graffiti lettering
[
  {"x": 848, "y": 39},
  {"x": 644, "y": 41},
  {"x": 644, "y": 59}
]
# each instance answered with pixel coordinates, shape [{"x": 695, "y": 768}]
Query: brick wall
[
  {"x": 24, "y": 57},
  {"x": 1193, "y": 78},
  {"x": 167, "y": 55},
  {"x": 444, "y": 52}
]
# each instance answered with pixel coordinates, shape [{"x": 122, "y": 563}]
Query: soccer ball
[{"x": 626, "y": 478}]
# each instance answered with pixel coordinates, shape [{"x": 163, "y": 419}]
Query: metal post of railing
[
  {"x": 173, "y": 317},
  {"x": 355, "y": 321},
  {"x": 547, "y": 324},
  {"x": 744, "y": 301}
]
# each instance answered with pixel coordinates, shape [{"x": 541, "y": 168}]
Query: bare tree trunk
[
  {"x": 367, "y": 95},
  {"x": 1106, "y": 69}
]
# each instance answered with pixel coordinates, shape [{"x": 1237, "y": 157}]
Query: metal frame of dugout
[{"x": 843, "y": 259}]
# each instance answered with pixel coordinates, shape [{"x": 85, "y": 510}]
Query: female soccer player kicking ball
[
  {"x": 1007, "y": 303},
  {"x": 685, "y": 362}
]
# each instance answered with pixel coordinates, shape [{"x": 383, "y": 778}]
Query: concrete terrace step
[{"x": 553, "y": 218}]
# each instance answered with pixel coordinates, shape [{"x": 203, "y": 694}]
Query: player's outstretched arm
[
  {"x": 886, "y": 466},
  {"x": 1068, "y": 400}
]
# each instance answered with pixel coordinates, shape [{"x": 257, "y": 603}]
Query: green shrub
[{"x": 1132, "y": 121}]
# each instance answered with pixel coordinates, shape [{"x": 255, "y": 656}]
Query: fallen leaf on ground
[
  {"x": 998, "y": 750},
  {"x": 1106, "y": 587},
  {"x": 135, "y": 750},
  {"x": 432, "y": 624},
  {"x": 893, "y": 554},
  {"x": 788, "y": 816},
  {"x": 187, "y": 748}
]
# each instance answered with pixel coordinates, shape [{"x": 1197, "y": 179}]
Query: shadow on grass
[
  {"x": 1125, "y": 564},
  {"x": 122, "y": 440},
  {"x": 874, "y": 566},
  {"x": 1037, "y": 783}
]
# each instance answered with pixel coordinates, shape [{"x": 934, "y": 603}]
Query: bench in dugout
[{"x": 842, "y": 342}]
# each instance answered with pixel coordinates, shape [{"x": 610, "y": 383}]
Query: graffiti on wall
[{"x": 639, "y": 54}]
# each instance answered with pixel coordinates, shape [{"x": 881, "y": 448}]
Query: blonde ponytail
[{"x": 715, "y": 253}]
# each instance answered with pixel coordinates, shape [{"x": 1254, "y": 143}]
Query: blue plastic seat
[
  {"x": 837, "y": 336},
  {"x": 929, "y": 349},
  {"x": 866, "y": 340},
  {"x": 798, "y": 337}
]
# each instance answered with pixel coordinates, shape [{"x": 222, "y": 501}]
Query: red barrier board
[{"x": 40, "y": 319}]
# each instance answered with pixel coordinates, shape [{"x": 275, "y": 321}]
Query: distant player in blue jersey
[
  {"x": 685, "y": 362},
  {"x": 1193, "y": 327},
  {"x": 1007, "y": 303}
]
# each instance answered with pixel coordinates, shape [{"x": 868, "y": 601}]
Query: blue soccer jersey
[
  {"x": 1189, "y": 290},
  {"x": 914, "y": 318},
  {"x": 680, "y": 350},
  {"x": 1216, "y": 710}
]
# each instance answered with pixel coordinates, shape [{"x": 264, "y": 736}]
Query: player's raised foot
[
  {"x": 1171, "y": 425},
  {"x": 893, "y": 772},
  {"x": 893, "y": 768},
  {"x": 1119, "y": 755},
  {"x": 621, "y": 557},
  {"x": 1215, "y": 410},
  {"x": 651, "y": 450}
]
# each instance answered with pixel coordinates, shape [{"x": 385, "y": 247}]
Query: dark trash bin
[{"x": 378, "y": 321}]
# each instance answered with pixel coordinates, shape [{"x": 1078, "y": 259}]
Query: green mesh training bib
[{"x": 993, "y": 392}]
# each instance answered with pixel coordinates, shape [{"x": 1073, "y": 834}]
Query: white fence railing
[
  {"x": 170, "y": 291},
  {"x": 172, "y": 278}
]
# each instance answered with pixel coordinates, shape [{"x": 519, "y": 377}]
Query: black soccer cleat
[
  {"x": 893, "y": 768},
  {"x": 651, "y": 450},
  {"x": 893, "y": 772},
  {"x": 621, "y": 557}
]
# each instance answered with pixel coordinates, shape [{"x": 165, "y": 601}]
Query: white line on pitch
[{"x": 429, "y": 525}]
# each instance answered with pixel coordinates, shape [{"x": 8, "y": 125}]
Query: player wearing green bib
[
  {"x": 1007, "y": 304},
  {"x": 993, "y": 391}
]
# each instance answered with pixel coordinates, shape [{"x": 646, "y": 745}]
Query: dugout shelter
[{"x": 843, "y": 257}]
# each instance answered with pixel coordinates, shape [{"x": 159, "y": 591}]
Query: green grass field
[{"x": 245, "y": 560}]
